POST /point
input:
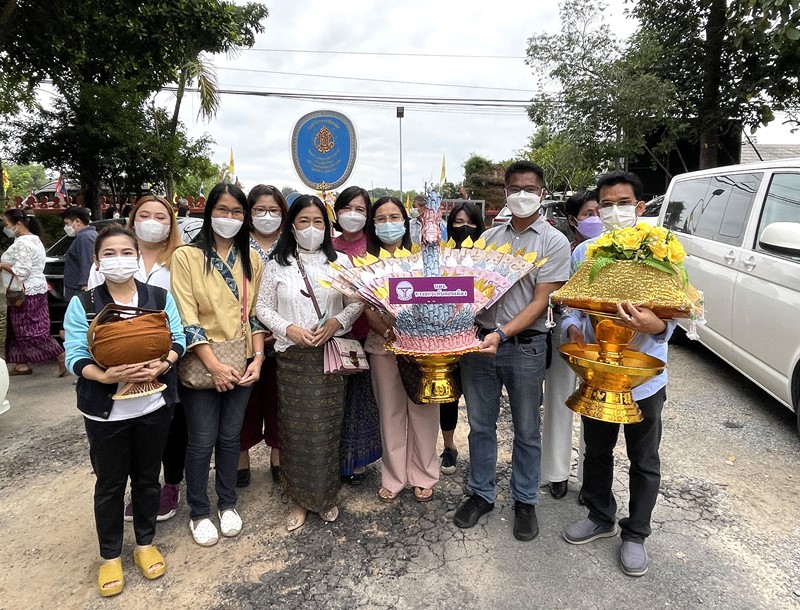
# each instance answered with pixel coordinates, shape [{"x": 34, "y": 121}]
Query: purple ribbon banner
[{"x": 431, "y": 290}]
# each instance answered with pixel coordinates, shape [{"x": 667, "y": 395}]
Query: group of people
[{"x": 255, "y": 284}]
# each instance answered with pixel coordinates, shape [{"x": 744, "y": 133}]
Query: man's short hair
[
  {"x": 420, "y": 200},
  {"x": 523, "y": 167},
  {"x": 77, "y": 213},
  {"x": 621, "y": 177}
]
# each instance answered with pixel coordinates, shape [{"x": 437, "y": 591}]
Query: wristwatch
[
  {"x": 503, "y": 336},
  {"x": 258, "y": 353}
]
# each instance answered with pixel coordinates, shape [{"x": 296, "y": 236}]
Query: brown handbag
[
  {"x": 194, "y": 374},
  {"x": 15, "y": 296},
  {"x": 121, "y": 334}
]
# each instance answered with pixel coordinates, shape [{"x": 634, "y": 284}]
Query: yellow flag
[
  {"x": 6, "y": 179},
  {"x": 444, "y": 172},
  {"x": 230, "y": 164},
  {"x": 408, "y": 201}
]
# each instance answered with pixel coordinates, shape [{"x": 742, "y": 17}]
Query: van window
[
  {"x": 782, "y": 203},
  {"x": 713, "y": 207}
]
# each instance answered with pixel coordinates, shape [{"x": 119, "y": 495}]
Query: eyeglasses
[
  {"x": 380, "y": 220},
  {"x": 531, "y": 190},
  {"x": 262, "y": 212},
  {"x": 223, "y": 211},
  {"x": 607, "y": 203}
]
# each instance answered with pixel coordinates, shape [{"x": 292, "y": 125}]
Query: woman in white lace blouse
[
  {"x": 303, "y": 314},
  {"x": 28, "y": 339}
]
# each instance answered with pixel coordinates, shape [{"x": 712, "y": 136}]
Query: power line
[
  {"x": 407, "y": 100},
  {"x": 373, "y": 80},
  {"x": 452, "y": 55}
]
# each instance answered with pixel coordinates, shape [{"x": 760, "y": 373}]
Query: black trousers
[
  {"x": 118, "y": 450},
  {"x": 642, "y": 441},
  {"x": 174, "y": 456},
  {"x": 448, "y": 416}
]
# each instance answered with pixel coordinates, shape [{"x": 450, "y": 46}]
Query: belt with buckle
[{"x": 523, "y": 338}]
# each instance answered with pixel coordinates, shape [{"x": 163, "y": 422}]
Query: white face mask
[
  {"x": 310, "y": 238},
  {"x": 9, "y": 232},
  {"x": 352, "y": 221},
  {"x": 618, "y": 216},
  {"x": 414, "y": 213},
  {"x": 119, "y": 269},
  {"x": 151, "y": 230},
  {"x": 226, "y": 227},
  {"x": 267, "y": 224},
  {"x": 69, "y": 230},
  {"x": 523, "y": 204}
]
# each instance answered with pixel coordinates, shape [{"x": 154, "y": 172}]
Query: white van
[{"x": 740, "y": 225}]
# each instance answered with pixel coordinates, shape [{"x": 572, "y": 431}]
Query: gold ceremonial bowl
[
  {"x": 608, "y": 372},
  {"x": 437, "y": 384}
]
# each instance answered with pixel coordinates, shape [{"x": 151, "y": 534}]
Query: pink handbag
[{"x": 344, "y": 357}]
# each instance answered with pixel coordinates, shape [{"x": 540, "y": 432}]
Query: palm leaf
[
  {"x": 202, "y": 71},
  {"x": 665, "y": 267}
]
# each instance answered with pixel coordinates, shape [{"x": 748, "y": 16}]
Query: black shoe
[
  {"x": 243, "y": 477},
  {"x": 581, "y": 501},
  {"x": 356, "y": 479},
  {"x": 471, "y": 510},
  {"x": 526, "y": 526},
  {"x": 558, "y": 489},
  {"x": 276, "y": 473}
]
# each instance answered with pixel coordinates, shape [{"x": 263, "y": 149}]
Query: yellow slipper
[
  {"x": 110, "y": 572},
  {"x": 150, "y": 561}
]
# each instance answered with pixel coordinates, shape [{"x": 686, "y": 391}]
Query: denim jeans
[
  {"x": 642, "y": 441},
  {"x": 521, "y": 369},
  {"x": 213, "y": 423}
]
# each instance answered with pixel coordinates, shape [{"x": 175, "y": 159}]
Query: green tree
[
  {"x": 565, "y": 165},
  {"x": 483, "y": 179},
  {"x": 201, "y": 171},
  {"x": 24, "y": 179},
  {"x": 608, "y": 101},
  {"x": 727, "y": 60},
  {"x": 116, "y": 55}
]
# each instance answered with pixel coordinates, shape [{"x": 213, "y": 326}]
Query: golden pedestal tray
[
  {"x": 437, "y": 384},
  {"x": 608, "y": 372}
]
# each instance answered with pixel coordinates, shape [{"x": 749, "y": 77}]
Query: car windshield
[{"x": 59, "y": 249}]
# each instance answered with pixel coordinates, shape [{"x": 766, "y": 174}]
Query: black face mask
[{"x": 460, "y": 234}]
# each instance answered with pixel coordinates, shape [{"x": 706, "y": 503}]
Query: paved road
[{"x": 726, "y": 531}]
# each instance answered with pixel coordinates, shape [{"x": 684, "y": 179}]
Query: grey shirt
[
  {"x": 78, "y": 262},
  {"x": 546, "y": 241}
]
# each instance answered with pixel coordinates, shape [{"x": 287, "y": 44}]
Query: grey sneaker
[
  {"x": 586, "y": 530},
  {"x": 449, "y": 457},
  {"x": 633, "y": 556}
]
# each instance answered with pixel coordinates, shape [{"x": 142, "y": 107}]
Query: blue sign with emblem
[{"x": 324, "y": 146}]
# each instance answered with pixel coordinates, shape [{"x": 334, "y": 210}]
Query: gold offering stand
[
  {"x": 609, "y": 371},
  {"x": 437, "y": 384}
]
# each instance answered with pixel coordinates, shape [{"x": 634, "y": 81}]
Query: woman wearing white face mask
[
  {"x": 408, "y": 430},
  {"x": 311, "y": 403},
  {"x": 156, "y": 229},
  {"x": 361, "y": 432},
  {"x": 28, "y": 339},
  {"x": 268, "y": 208},
  {"x": 126, "y": 437},
  {"x": 215, "y": 285}
]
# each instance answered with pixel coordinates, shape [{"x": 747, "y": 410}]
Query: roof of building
[{"x": 769, "y": 152}]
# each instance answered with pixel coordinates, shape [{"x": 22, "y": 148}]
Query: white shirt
[
  {"x": 26, "y": 256},
  {"x": 131, "y": 407},
  {"x": 158, "y": 276},
  {"x": 281, "y": 302}
]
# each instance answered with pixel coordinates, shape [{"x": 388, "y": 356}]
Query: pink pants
[{"x": 408, "y": 431}]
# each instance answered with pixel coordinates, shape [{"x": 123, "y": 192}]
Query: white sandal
[
  {"x": 230, "y": 523},
  {"x": 205, "y": 532},
  {"x": 331, "y": 515}
]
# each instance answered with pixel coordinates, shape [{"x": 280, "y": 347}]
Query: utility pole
[{"x": 400, "y": 114}]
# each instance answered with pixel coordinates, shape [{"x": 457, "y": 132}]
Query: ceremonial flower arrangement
[{"x": 655, "y": 247}]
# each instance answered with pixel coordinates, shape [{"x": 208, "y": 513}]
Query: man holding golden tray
[{"x": 636, "y": 339}]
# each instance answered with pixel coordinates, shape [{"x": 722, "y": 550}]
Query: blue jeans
[
  {"x": 213, "y": 423},
  {"x": 521, "y": 369}
]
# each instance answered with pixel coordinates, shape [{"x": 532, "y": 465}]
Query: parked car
[
  {"x": 189, "y": 228},
  {"x": 740, "y": 226},
  {"x": 554, "y": 213},
  {"x": 652, "y": 210}
]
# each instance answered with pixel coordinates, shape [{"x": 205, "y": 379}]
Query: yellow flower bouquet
[
  {"x": 655, "y": 247},
  {"x": 642, "y": 264}
]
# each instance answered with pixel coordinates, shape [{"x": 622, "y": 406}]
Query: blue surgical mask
[{"x": 390, "y": 232}]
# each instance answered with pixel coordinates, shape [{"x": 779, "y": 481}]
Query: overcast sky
[{"x": 259, "y": 128}]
